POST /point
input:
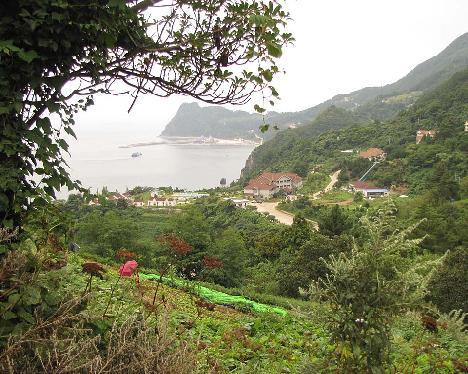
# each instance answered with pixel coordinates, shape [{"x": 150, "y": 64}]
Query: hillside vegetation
[
  {"x": 74, "y": 314},
  {"x": 98, "y": 285},
  {"x": 444, "y": 109}
]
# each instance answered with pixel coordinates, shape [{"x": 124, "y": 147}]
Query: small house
[
  {"x": 138, "y": 203},
  {"x": 94, "y": 202},
  {"x": 369, "y": 190},
  {"x": 239, "y": 203},
  {"x": 162, "y": 201},
  {"x": 373, "y": 154},
  {"x": 421, "y": 134}
]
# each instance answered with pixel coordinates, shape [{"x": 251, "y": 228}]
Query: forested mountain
[
  {"x": 379, "y": 103},
  {"x": 444, "y": 109}
]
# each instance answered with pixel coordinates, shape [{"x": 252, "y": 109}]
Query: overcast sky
[{"x": 341, "y": 46}]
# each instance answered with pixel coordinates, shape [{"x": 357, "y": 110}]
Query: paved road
[{"x": 334, "y": 179}]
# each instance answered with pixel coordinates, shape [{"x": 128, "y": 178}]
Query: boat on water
[{"x": 136, "y": 154}]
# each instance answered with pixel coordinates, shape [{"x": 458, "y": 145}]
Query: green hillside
[
  {"x": 227, "y": 299},
  {"x": 444, "y": 109}
]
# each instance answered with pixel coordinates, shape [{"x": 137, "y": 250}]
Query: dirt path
[
  {"x": 334, "y": 179},
  {"x": 287, "y": 218},
  {"x": 272, "y": 208},
  {"x": 282, "y": 216}
]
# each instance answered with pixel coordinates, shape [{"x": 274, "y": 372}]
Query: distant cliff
[{"x": 194, "y": 120}]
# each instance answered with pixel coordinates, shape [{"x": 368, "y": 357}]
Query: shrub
[
  {"x": 449, "y": 286},
  {"x": 369, "y": 287}
]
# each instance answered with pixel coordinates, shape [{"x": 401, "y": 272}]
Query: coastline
[{"x": 200, "y": 140}]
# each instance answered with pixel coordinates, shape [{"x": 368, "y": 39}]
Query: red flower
[{"x": 127, "y": 269}]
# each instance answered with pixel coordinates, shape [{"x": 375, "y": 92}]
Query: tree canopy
[{"x": 56, "y": 54}]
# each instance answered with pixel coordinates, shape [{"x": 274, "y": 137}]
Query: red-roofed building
[
  {"x": 266, "y": 184},
  {"x": 373, "y": 154},
  {"x": 116, "y": 196}
]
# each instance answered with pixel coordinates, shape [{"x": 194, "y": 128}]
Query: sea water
[{"x": 100, "y": 161}]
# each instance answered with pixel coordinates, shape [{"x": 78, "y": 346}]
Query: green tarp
[{"x": 218, "y": 297}]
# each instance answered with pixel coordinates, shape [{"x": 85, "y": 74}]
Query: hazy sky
[{"x": 341, "y": 46}]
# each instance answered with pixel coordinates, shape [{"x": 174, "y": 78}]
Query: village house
[
  {"x": 94, "y": 202},
  {"x": 368, "y": 189},
  {"x": 116, "y": 196},
  {"x": 162, "y": 201},
  {"x": 421, "y": 134},
  {"x": 239, "y": 203},
  {"x": 138, "y": 203},
  {"x": 373, "y": 154},
  {"x": 266, "y": 184},
  {"x": 127, "y": 195}
]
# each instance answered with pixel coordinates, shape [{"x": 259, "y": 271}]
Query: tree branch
[{"x": 145, "y": 4}]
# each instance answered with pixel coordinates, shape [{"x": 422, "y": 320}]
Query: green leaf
[
  {"x": 268, "y": 75},
  {"x": 3, "y": 200},
  {"x": 69, "y": 131},
  {"x": 264, "y": 128},
  {"x": 259, "y": 109},
  {"x": 28, "y": 317},
  {"x": 27, "y": 56},
  {"x": 14, "y": 298},
  {"x": 274, "y": 92},
  {"x": 116, "y": 4},
  {"x": 274, "y": 49},
  {"x": 9, "y": 315},
  {"x": 53, "y": 107},
  {"x": 52, "y": 299},
  {"x": 32, "y": 295}
]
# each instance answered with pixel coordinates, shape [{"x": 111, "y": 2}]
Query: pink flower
[{"x": 127, "y": 269}]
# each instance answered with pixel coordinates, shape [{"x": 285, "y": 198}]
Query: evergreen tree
[{"x": 334, "y": 222}]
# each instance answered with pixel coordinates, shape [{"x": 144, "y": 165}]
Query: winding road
[
  {"x": 285, "y": 217},
  {"x": 334, "y": 179}
]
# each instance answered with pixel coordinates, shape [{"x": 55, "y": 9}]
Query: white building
[
  {"x": 239, "y": 203},
  {"x": 162, "y": 201},
  {"x": 368, "y": 190}
]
